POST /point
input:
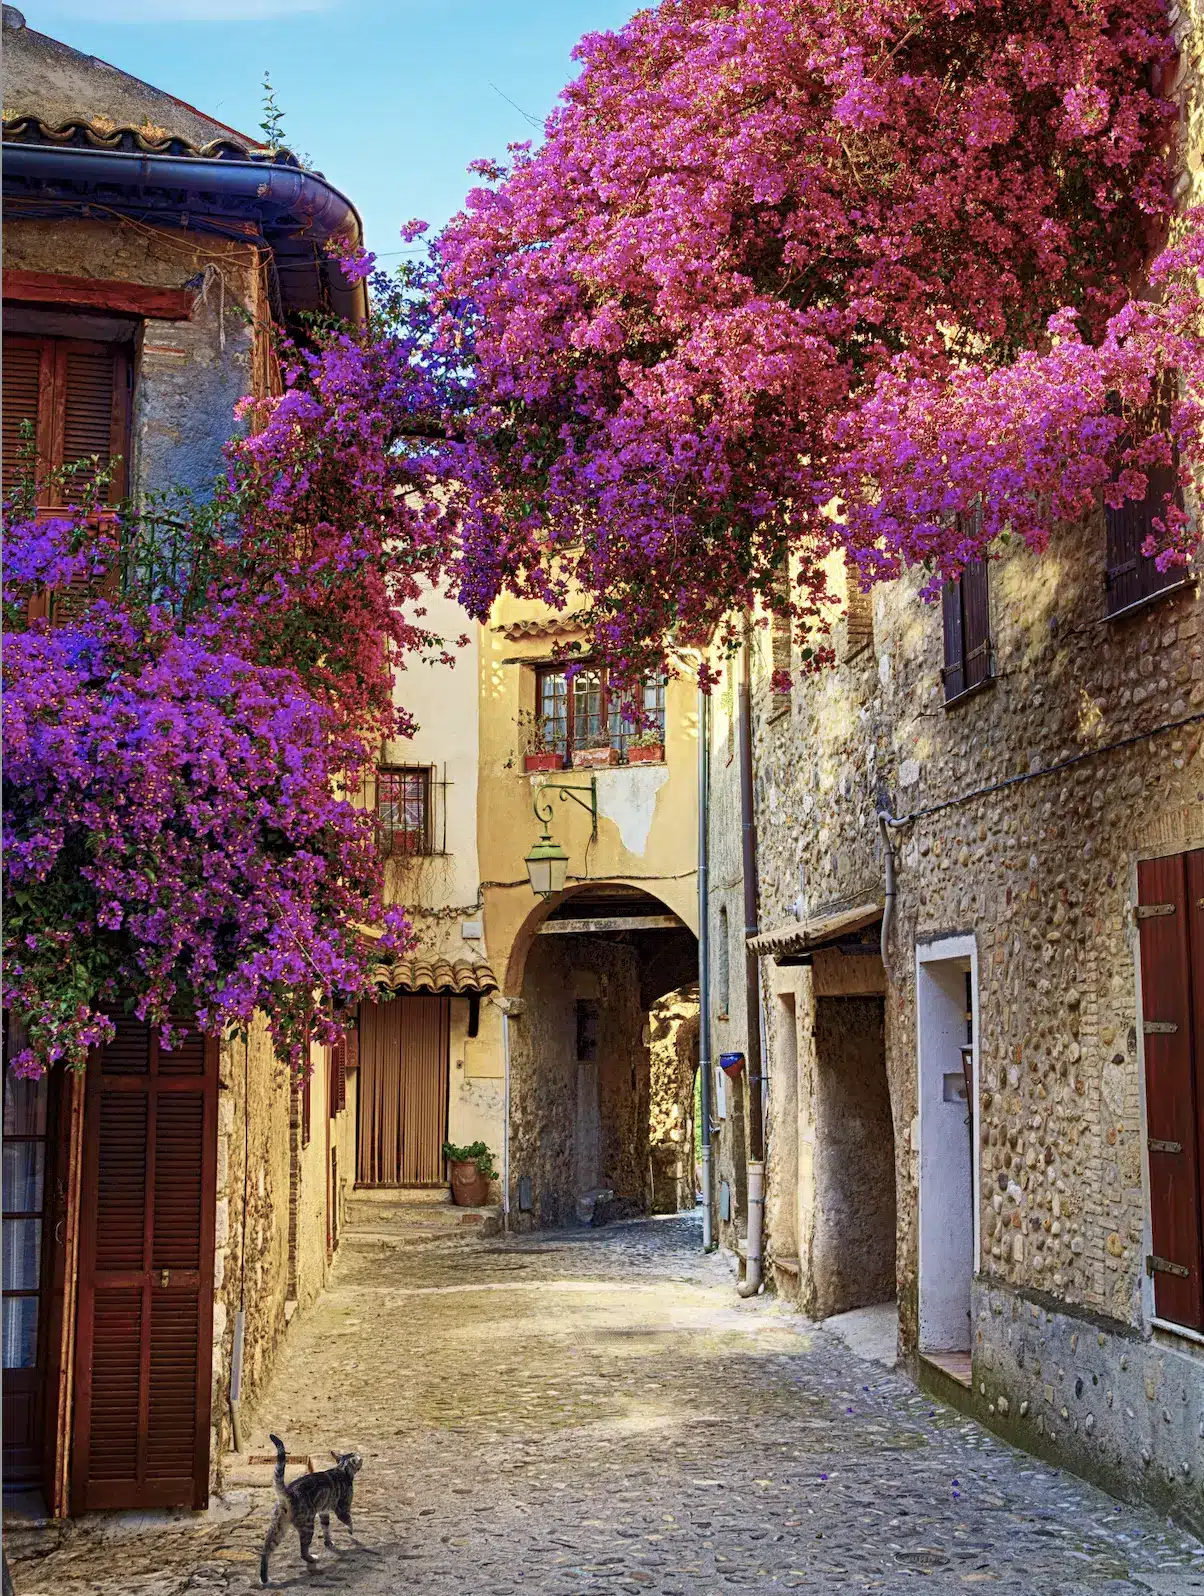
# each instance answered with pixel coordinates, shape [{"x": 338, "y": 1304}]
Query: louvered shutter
[
  {"x": 90, "y": 402},
  {"x": 28, "y": 372},
  {"x": 954, "y": 673},
  {"x": 1172, "y": 1107},
  {"x": 144, "y": 1348},
  {"x": 338, "y": 1077},
  {"x": 976, "y": 623}
]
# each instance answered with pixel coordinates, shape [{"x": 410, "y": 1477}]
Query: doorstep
[{"x": 954, "y": 1365}]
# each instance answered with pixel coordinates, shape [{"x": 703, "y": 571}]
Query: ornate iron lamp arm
[{"x": 543, "y": 812}]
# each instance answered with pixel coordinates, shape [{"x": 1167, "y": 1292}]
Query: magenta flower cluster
[{"x": 781, "y": 258}]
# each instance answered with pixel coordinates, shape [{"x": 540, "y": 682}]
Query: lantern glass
[{"x": 547, "y": 867}]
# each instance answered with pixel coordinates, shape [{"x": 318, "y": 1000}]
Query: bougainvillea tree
[
  {"x": 781, "y": 278},
  {"x": 182, "y": 741}
]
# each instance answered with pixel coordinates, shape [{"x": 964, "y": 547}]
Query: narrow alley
[{"x": 596, "y": 1411}]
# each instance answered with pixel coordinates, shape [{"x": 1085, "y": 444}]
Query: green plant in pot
[{"x": 471, "y": 1169}]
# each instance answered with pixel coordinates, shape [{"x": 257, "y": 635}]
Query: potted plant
[
  {"x": 470, "y": 1169},
  {"x": 595, "y": 756},
  {"x": 646, "y": 747},
  {"x": 539, "y": 754}
]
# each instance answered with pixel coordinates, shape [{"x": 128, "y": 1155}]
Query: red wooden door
[
  {"x": 1174, "y": 1114},
  {"x": 144, "y": 1345}
]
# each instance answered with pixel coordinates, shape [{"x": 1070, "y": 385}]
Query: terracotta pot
[
  {"x": 646, "y": 754},
  {"x": 593, "y": 758},
  {"x": 548, "y": 761},
  {"x": 469, "y": 1186}
]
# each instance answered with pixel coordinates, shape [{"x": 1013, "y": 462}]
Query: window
[
  {"x": 1170, "y": 924},
  {"x": 859, "y": 612},
  {"x": 403, "y": 811},
  {"x": 338, "y": 1076},
  {"x": 583, "y": 711},
  {"x": 723, "y": 981},
  {"x": 1132, "y": 578},
  {"x": 966, "y": 616},
  {"x": 75, "y": 395}
]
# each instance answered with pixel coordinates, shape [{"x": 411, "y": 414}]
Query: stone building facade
[
  {"x": 970, "y": 1114},
  {"x": 139, "y": 273}
]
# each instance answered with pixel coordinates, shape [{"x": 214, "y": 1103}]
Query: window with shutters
[
  {"x": 1170, "y": 921},
  {"x": 586, "y": 710},
  {"x": 75, "y": 396},
  {"x": 1132, "y": 578},
  {"x": 966, "y": 624}
]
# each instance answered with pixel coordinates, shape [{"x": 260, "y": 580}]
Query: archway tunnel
[{"x": 601, "y": 1062}]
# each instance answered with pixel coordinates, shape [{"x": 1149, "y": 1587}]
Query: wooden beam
[
  {"x": 96, "y": 293},
  {"x": 619, "y": 922}
]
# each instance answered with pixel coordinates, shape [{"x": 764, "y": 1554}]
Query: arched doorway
[{"x": 588, "y": 973}]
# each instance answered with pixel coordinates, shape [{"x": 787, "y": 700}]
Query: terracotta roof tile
[{"x": 420, "y": 974}]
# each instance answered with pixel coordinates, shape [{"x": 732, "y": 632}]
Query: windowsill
[
  {"x": 970, "y": 692},
  {"x": 1189, "y": 581},
  {"x": 595, "y": 770},
  {"x": 1180, "y": 1330}
]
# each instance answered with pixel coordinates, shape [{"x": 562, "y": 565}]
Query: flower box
[
  {"x": 594, "y": 758},
  {"x": 546, "y": 761},
  {"x": 645, "y": 753}
]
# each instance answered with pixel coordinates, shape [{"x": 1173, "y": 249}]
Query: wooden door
[
  {"x": 144, "y": 1344},
  {"x": 1171, "y": 929},
  {"x": 403, "y": 1072},
  {"x": 27, "y": 1147}
]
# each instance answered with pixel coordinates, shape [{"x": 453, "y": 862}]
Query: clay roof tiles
[{"x": 420, "y": 974}]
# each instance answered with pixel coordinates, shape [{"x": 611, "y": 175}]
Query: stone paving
[{"x": 597, "y": 1412}]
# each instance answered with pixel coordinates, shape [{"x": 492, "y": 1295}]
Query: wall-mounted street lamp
[{"x": 547, "y": 863}]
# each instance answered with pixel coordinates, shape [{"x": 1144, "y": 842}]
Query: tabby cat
[{"x": 311, "y": 1497}]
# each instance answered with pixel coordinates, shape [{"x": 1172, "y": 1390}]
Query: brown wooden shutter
[
  {"x": 338, "y": 1076},
  {"x": 976, "y": 623},
  {"x": 144, "y": 1348},
  {"x": 91, "y": 413},
  {"x": 859, "y": 611},
  {"x": 1131, "y": 577},
  {"x": 1173, "y": 1122},
  {"x": 352, "y": 1038},
  {"x": 28, "y": 375},
  {"x": 954, "y": 673},
  {"x": 307, "y": 1098}
]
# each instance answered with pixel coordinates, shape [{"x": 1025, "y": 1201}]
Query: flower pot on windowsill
[
  {"x": 594, "y": 758},
  {"x": 549, "y": 760},
  {"x": 646, "y": 754}
]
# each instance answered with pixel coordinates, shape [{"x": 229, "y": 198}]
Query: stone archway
[{"x": 589, "y": 968}]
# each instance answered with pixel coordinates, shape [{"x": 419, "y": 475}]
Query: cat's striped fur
[{"x": 312, "y": 1497}]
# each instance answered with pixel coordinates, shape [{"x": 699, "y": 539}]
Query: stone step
[
  {"x": 409, "y": 1225},
  {"x": 401, "y": 1196}
]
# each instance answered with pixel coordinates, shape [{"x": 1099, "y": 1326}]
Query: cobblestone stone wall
[
  {"x": 673, "y": 1048},
  {"x": 555, "y": 1106}
]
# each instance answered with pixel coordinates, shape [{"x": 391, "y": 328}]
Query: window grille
[{"x": 405, "y": 818}]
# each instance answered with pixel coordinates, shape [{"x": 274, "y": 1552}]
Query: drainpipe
[
  {"x": 506, "y": 1118},
  {"x": 704, "y": 963},
  {"x": 885, "y": 821},
  {"x": 751, "y": 1283}
]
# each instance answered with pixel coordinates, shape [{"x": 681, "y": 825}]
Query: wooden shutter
[
  {"x": 859, "y": 611},
  {"x": 144, "y": 1349},
  {"x": 76, "y": 394},
  {"x": 1131, "y": 576},
  {"x": 976, "y": 623},
  {"x": 1173, "y": 1111},
  {"x": 338, "y": 1076},
  {"x": 954, "y": 673},
  {"x": 403, "y": 1091},
  {"x": 28, "y": 396}
]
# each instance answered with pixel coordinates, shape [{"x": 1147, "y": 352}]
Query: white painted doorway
[{"x": 947, "y": 1026}]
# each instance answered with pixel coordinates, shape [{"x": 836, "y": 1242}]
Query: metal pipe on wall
[
  {"x": 506, "y": 1117},
  {"x": 754, "y": 1067},
  {"x": 704, "y": 964}
]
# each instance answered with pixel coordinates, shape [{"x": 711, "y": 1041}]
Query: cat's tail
[{"x": 281, "y": 1459}]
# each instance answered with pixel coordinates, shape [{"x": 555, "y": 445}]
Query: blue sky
[{"x": 392, "y": 98}]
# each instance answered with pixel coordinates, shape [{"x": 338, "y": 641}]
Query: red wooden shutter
[
  {"x": 338, "y": 1076},
  {"x": 144, "y": 1349},
  {"x": 28, "y": 376},
  {"x": 1172, "y": 1110},
  {"x": 90, "y": 405},
  {"x": 954, "y": 673}
]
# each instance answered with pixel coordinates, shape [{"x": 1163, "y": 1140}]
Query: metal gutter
[{"x": 300, "y": 205}]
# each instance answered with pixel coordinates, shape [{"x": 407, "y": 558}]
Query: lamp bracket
[{"x": 543, "y": 812}]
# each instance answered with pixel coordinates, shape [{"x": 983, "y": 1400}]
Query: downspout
[
  {"x": 704, "y": 964},
  {"x": 754, "y": 1065},
  {"x": 240, "y": 1317},
  {"x": 506, "y": 1118},
  {"x": 885, "y": 821}
]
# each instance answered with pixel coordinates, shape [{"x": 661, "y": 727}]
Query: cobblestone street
[{"x": 598, "y": 1412}]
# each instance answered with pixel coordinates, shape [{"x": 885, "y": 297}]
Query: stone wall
[
  {"x": 673, "y": 1050},
  {"x": 188, "y": 375},
  {"x": 577, "y": 1125},
  {"x": 1040, "y": 877},
  {"x": 271, "y": 1237}
]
